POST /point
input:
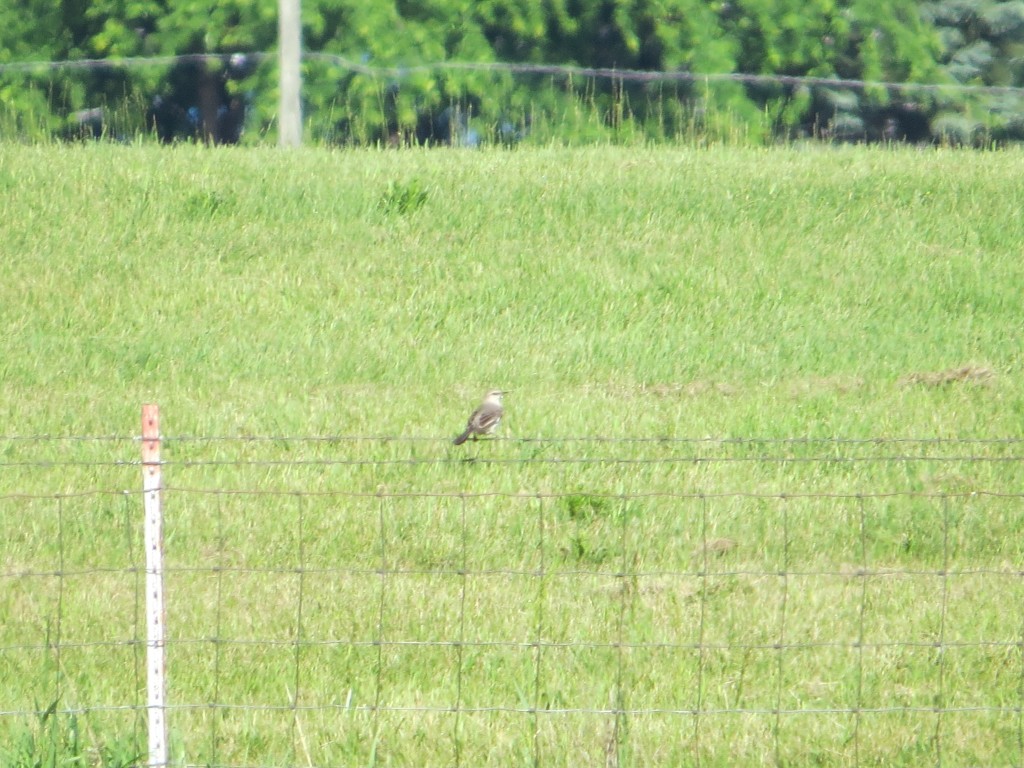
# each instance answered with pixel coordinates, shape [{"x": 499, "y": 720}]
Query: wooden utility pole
[{"x": 289, "y": 43}]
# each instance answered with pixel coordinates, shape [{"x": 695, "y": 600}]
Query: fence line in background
[{"x": 559, "y": 70}]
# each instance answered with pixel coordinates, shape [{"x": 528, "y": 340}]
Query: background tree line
[{"x": 227, "y": 92}]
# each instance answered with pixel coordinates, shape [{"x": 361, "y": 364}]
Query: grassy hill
[{"x": 756, "y": 501}]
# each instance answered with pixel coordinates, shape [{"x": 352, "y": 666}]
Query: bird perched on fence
[{"x": 485, "y": 418}]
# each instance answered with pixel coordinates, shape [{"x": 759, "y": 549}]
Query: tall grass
[
  {"x": 458, "y": 108},
  {"x": 812, "y": 600}
]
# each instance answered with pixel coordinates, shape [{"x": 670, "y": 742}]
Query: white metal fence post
[{"x": 154, "y": 542}]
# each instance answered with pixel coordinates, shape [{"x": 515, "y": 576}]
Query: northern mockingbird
[{"x": 485, "y": 418}]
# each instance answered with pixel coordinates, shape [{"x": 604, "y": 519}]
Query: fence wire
[
  {"x": 851, "y": 602},
  {"x": 515, "y": 68},
  {"x": 351, "y": 102}
]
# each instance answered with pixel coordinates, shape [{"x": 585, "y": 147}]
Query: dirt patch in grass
[
  {"x": 968, "y": 374},
  {"x": 716, "y": 547},
  {"x": 687, "y": 389}
]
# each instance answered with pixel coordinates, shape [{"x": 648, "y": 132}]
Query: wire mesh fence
[
  {"x": 346, "y": 600},
  {"x": 353, "y": 101}
]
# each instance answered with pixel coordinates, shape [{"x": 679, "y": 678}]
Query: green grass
[{"x": 817, "y": 601}]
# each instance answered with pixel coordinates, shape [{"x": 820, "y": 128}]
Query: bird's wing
[{"x": 486, "y": 417}]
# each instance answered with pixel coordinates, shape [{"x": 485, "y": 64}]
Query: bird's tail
[{"x": 463, "y": 437}]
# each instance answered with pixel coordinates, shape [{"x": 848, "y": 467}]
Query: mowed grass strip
[{"x": 687, "y": 542}]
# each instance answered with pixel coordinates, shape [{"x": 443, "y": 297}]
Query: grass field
[{"x": 756, "y": 501}]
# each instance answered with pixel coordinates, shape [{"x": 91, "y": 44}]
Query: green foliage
[
  {"x": 981, "y": 44},
  {"x": 874, "y": 40},
  {"x": 402, "y": 198},
  {"x": 205, "y": 204},
  {"x": 582, "y": 507},
  {"x": 58, "y": 741}
]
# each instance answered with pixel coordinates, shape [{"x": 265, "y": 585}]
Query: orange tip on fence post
[{"x": 154, "y": 543}]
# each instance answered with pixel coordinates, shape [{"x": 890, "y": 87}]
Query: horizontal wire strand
[
  {"x": 565, "y": 70},
  {"x": 338, "y": 438},
  {"x": 365, "y": 708},
  {"x": 525, "y": 495}
]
